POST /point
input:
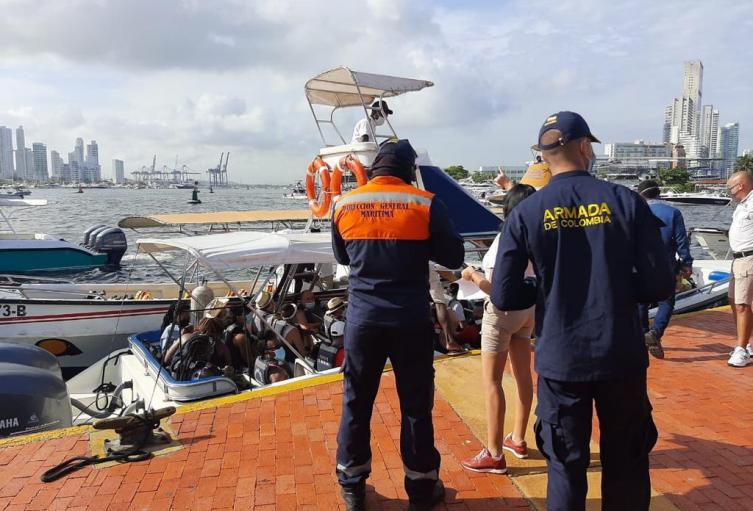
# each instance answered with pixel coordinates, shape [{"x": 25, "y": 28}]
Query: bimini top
[
  {"x": 9, "y": 203},
  {"x": 247, "y": 248},
  {"x": 217, "y": 217},
  {"x": 343, "y": 87}
]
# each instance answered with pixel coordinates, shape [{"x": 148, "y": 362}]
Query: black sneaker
[
  {"x": 653, "y": 343},
  {"x": 355, "y": 498},
  {"x": 437, "y": 496}
]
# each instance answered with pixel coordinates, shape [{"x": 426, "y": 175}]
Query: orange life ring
[
  {"x": 353, "y": 164},
  {"x": 320, "y": 206}
]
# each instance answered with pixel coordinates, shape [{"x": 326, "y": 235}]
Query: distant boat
[
  {"x": 80, "y": 190},
  {"x": 695, "y": 198}
]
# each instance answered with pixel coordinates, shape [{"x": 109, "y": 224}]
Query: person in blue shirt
[
  {"x": 675, "y": 239},
  {"x": 597, "y": 253}
]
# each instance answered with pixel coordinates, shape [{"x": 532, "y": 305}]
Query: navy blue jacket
[
  {"x": 673, "y": 234},
  {"x": 597, "y": 253},
  {"x": 387, "y": 231}
]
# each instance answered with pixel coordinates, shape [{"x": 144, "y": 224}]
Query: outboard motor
[
  {"x": 88, "y": 233},
  {"x": 33, "y": 395},
  {"x": 111, "y": 241}
]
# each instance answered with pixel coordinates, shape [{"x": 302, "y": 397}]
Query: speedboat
[
  {"x": 297, "y": 192},
  {"x": 102, "y": 247},
  {"x": 695, "y": 198}
]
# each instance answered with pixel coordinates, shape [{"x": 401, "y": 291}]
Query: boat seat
[{"x": 364, "y": 151}]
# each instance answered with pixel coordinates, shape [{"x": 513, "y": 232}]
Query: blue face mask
[{"x": 280, "y": 353}]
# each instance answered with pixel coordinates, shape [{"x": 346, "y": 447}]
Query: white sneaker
[
  {"x": 750, "y": 349},
  {"x": 739, "y": 358}
]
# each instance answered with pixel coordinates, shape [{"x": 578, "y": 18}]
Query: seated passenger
[
  {"x": 294, "y": 332},
  {"x": 308, "y": 313},
  {"x": 265, "y": 318},
  {"x": 332, "y": 352},
  {"x": 335, "y": 312},
  {"x": 455, "y": 306},
  {"x": 445, "y": 320},
  {"x": 170, "y": 330},
  {"x": 212, "y": 328}
]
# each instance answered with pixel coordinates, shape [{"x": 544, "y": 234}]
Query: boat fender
[
  {"x": 716, "y": 276},
  {"x": 354, "y": 165},
  {"x": 319, "y": 206}
]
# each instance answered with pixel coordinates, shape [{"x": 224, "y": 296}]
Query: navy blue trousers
[
  {"x": 664, "y": 311},
  {"x": 628, "y": 433},
  {"x": 412, "y": 355}
]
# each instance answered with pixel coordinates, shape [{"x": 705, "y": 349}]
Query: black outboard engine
[
  {"x": 111, "y": 241},
  {"x": 88, "y": 233},
  {"x": 33, "y": 395}
]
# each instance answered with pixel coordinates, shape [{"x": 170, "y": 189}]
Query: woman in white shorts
[{"x": 503, "y": 332}]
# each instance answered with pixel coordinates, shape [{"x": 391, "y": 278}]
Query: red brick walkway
[
  {"x": 704, "y": 412},
  {"x": 277, "y": 453}
]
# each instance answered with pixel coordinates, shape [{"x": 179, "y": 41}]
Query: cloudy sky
[{"x": 194, "y": 78}]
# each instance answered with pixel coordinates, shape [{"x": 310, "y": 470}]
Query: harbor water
[{"x": 68, "y": 214}]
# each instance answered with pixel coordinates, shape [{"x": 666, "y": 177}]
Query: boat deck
[{"x": 275, "y": 451}]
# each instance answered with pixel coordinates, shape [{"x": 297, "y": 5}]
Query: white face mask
[{"x": 379, "y": 121}]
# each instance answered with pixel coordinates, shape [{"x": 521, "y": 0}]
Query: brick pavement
[{"x": 277, "y": 452}]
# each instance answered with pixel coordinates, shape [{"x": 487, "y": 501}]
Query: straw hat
[
  {"x": 335, "y": 303},
  {"x": 215, "y": 307}
]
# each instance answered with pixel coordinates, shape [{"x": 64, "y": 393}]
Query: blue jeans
[{"x": 663, "y": 314}]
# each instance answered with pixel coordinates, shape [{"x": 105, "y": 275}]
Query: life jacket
[{"x": 329, "y": 356}]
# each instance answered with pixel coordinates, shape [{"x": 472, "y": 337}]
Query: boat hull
[
  {"x": 714, "y": 201},
  {"x": 88, "y": 329}
]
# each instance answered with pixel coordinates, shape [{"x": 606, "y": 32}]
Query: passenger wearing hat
[
  {"x": 335, "y": 312},
  {"x": 365, "y": 129},
  {"x": 387, "y": 231},
  {"x": 676, "y": 242},
  {"x": 597, "y": 253}
]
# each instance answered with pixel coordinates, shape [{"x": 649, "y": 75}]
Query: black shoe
[
  {"x": 653, "y": 343},
  {"x": 355, "y": 498},
  {"x": 437, "y": 496}
]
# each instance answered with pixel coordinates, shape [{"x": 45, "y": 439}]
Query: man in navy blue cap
[
  {"x": 597, "y": 253},
  {"x": 387, "y": 231}
]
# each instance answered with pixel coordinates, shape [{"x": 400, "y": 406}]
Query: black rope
[{"x": 129, "y": 455}]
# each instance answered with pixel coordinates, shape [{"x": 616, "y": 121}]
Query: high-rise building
[
  {"x": 39, "y": 151},
  {"x": 56, "y": 165},
  {"x": 729, "y": 137},
  {"x": 118, "y": 170},
  {"x": 6, "y": 153},
  {"x": 682, "y": 119},
  {"x": 710, "y": 129},
  {"x": 21, "y": 171},
  {"x": 92, "y": 154},
  {"x": 78, "y": 151},
  {"x": 692, "y": 84},
  {"x": 29, "y": 163}
]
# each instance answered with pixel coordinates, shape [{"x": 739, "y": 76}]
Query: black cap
[
  {"x": 396, "y": 157},
  {"x": 381, "y": 106},
  {"x": 571, "y": 125}
]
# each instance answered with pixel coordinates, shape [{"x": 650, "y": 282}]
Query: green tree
[
  {"x": 457, "y": 172},
  {"x": 482, "y": 177},
  {"x": 744, "y": 163},
  {"x": 677, "y": 178}
]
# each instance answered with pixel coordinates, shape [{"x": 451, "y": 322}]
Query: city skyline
[{"x": 231, "y": 78}]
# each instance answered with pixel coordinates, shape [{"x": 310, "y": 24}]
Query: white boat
[
  {"x": 695, "y": 198},
  {"x": 297, "y": 192}
]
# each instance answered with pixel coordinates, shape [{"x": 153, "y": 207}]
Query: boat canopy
[
  {"x": 217, "y": 217},
  {"x": 342, "y": 87},
  {"x": 8, "y": 203},
  {"x": 247, "y": 248}
]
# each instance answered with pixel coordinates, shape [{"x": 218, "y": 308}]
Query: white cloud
[{"x": 197, "y": 78}]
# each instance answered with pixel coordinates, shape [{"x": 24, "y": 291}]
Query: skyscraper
[
  {"x": 21, "y": 153},
  {"x": 29, "y": 163},
  {"x": 78, "y": 152},
  {"x": 710, "y": 129},
  {"x": 682, "y": 118},
  {"x": 6, "y": 153},
  {"x": 40, "y": 161},
  {"x": 118, "y": 171},
  {"x": 692, "y": 85},
  {"x": 729, "y": 137},
  {"x": 92, "y": 154},
  {"x": 56, "y": 165}
]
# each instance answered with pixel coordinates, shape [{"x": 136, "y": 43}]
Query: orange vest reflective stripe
[{"x": 384, "y": 208}]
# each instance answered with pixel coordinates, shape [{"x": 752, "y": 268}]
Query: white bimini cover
[
  {"x": 247, "y": 248},
  {"x": 343, "y": 87}
]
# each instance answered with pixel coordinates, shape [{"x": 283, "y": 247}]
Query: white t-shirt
[
  {"x": 456, "y": 307},
  {"x": 741, "y": 229},
  {"x": 361, "y": 129},
  {"x": 487, "y": 263}
]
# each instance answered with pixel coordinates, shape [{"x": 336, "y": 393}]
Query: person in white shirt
[
  {"x": 362, "y": 133},
  {"x": 739, "y": 186},
  {"x": 503, "y": 332}
]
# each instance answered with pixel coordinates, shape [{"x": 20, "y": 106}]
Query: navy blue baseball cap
[{"x": 571, "y": 126}]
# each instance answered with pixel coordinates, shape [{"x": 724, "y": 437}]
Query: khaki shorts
[
  {"x": 499, "y": 327},
  {"x": 741, "y": 284}
]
